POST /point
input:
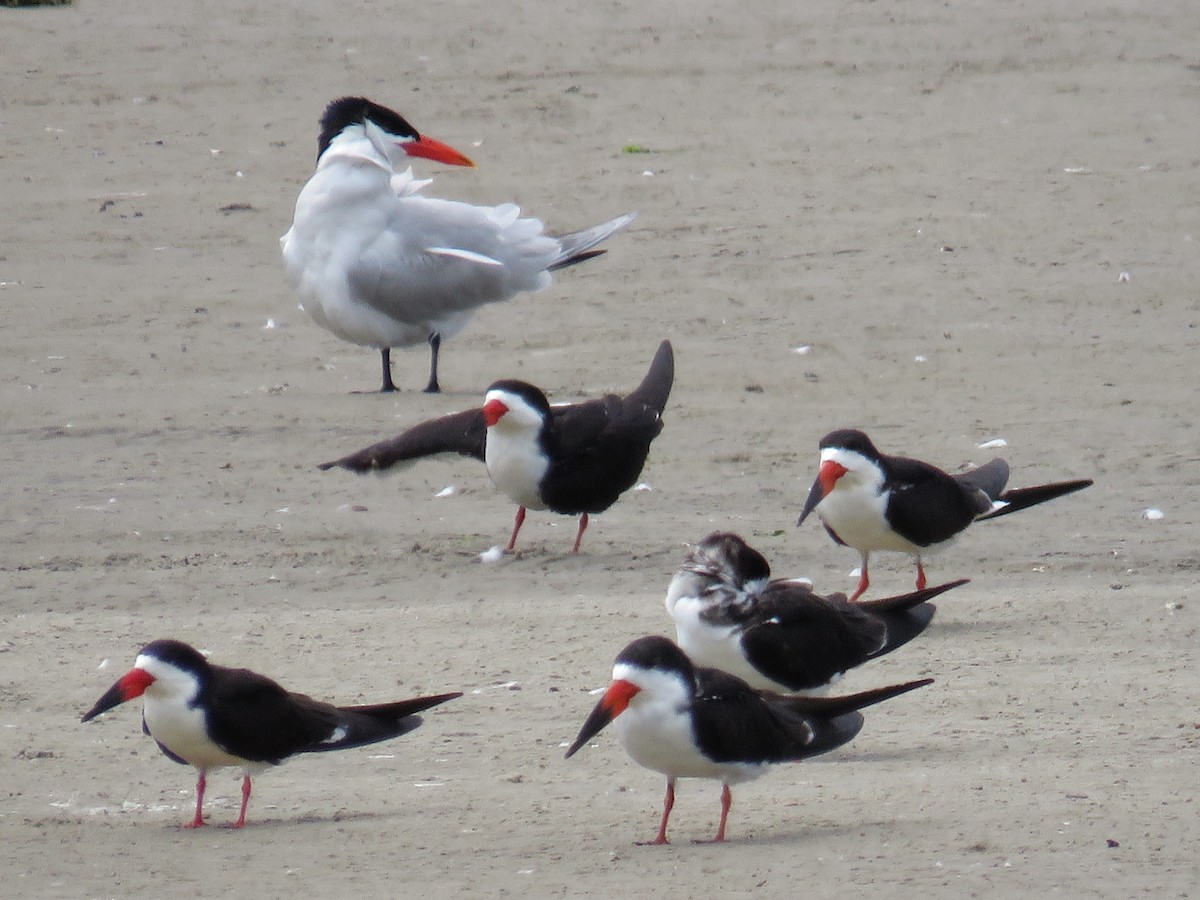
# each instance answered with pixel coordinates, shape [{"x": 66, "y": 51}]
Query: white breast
[
  {"x": 516, "y": 464},
  {"x": 858, "y": 518},
  {"x": 180, "y": 728}
]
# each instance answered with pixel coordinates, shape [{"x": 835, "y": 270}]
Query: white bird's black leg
[
  {"x": 388, "y": 386},
  {"x": 435, "y": 344}
]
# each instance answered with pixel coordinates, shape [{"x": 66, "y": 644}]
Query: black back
[{"x": 927, "y": 506}]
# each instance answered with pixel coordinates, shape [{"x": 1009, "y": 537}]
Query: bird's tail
[
  {"x": 1023, "y": 498},
  {"x": 990, "y": 478},
  {"x": 577, "y": 246},
  {"x": 656, "y": 386},
  {"x": 360, "y": 725}
]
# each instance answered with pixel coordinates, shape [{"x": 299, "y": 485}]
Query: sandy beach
[{"x": 947, "y": 224}]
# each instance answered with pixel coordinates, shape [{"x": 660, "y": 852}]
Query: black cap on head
[{"x": 346, "y": 111}]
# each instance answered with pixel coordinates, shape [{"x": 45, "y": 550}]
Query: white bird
[{"x": 380, "y": 265}]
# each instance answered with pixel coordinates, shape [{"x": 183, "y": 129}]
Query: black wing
[
  {"x": 1023, "y": 498},
  {"x": 735, "y": 723},
  {"x": 464, "y": 433},
  {"x": 253, "y": 717},
  {"x": 655, "y": 388},
  {"x": 990, "y": 478},
  {"x": 928, "y": 506},
  {"x": 599, "y": 447},
  {"x": 802, "y": 640},
  {"x": 829, "y": 707},
  {"x": 359, "y": 725}
]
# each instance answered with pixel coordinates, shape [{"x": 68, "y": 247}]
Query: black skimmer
[
  {"x": 575, "y": 459},
  {"x": 871, "y": 501},
  {"x": 210, "y": 716},
  {"x": 781, "y": 635},
  {"x": 692, "y": 722},
  {"x": 380, "y": 265}
]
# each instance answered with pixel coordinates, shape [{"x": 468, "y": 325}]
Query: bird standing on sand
[
  {"x": 380, "y": 265},
  {"x": 691, "y": 722},
  {"x": 871, "y": 501},
  {"x": 210, "y": 716},
  {"x": 574, "y": 459}
]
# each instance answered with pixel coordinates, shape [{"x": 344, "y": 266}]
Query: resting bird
[
  {"x": 691, "y": 722},
  {"x": 380, "y": 265},
  {"x": 575, "y": 459},
  {"x": 870, "y": 501},
  {"x": 781, "y": 635},
  {"x": 209, "y": 716}
]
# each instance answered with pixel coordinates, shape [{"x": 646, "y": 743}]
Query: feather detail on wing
[{"x": 464, "y": 433}]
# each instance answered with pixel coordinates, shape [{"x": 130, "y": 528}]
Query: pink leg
[
  {"x": 920, "y": 575},
  {"x": 864, "y": 580},
  {"x": 668, "y": 805},
  {"x": 583, "y": 524},
  {"x": 245, "y": 801},
  {"x": 201, "y": 784},
  {"x": 726, "y": 802},
  {"x": 512, "y": 542}
]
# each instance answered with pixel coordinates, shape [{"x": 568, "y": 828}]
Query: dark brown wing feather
[
  {"x": 599, "y": 447},
  {"x": 464, "y": 433}
]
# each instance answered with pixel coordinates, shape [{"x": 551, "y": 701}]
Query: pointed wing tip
[{"x": 939, "y": 589}]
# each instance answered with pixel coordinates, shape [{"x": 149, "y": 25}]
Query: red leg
[
  {"x": 668, "y": 805},
  {"x": 864, "y": 580},
  {"x": 583, "y": 524},
  {"x": 920, "y": 575},
  {"x": 512, "y": 542},
  {"x": 245, "y": 801},
  {"x": 201, "y": 784},
  {"x": 726, "y": 802}
]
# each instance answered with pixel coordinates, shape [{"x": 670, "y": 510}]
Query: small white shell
[
  {"x": 994, "y": 442},
  {"x": 1153, "y": 514},
  {"x": 448, "y": 491}
]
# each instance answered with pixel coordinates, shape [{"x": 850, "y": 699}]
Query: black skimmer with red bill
[
  {"x": 871, "y": 501},
  {"x": 781, "y": 635},
  {"x": 693, "y": 722},
  {"x": 380, "y": 265},
  {"x": 210, "y": 716},
  {"x": 575, "y": 459}
]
